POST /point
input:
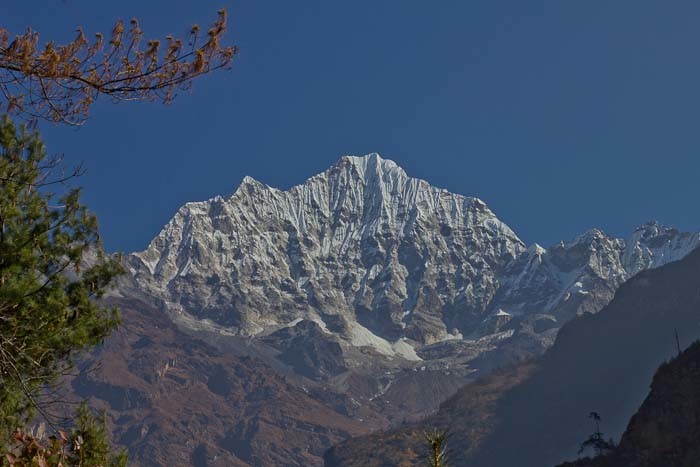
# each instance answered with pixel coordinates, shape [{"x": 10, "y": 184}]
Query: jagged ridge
[{"x": 380, "y": 259}]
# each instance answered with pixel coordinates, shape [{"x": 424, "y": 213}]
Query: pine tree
[
  {"x": 596, "y": 441},
  {"x": 85, "y": 446},
  {"x": 437, "y": 443},
  {"x": 51, "y": 269}
]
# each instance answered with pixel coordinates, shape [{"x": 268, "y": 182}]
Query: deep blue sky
[{"x": 561, "y": 115}]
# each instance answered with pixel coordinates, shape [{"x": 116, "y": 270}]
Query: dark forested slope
[{"x": 665, "y": 430}]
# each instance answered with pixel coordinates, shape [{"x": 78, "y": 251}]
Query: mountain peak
[
  {"x": 536, "y": 249},
  {"x": 251, "y": 182},
  {"x": 248, "y": 180},
  {"x": 370, "y": 164},
  {"x": 248, "y": 186},
  {"x": 650, "y": 223},
  {"x": 590, "y": 237},
  {"x": 379, "y": 236},
  {"x": 652, "y": 229}
]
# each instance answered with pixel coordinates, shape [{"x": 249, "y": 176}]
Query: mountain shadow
[{"x": 666, "y": 429}]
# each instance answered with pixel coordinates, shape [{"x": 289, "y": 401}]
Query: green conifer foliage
[{"x": 51, "y": 268}]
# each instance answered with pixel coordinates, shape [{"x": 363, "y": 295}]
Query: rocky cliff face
[
  {"x": 384, "y": 262},
  {"x": 362, "y": 249}
]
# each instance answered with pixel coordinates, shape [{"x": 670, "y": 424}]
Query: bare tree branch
[{"x": 61, "y": 82}]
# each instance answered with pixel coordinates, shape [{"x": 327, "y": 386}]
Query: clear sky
[{"x": 560, "y": 115}]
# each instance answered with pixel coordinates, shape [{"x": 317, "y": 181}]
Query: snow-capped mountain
[
  {"x": 573, "y": 277},
  {"x": 544, "y": 288},
  {"x": 381, "y": 260}
]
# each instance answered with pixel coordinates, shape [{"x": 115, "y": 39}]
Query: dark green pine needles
[{"x": 47, "y": 283}]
